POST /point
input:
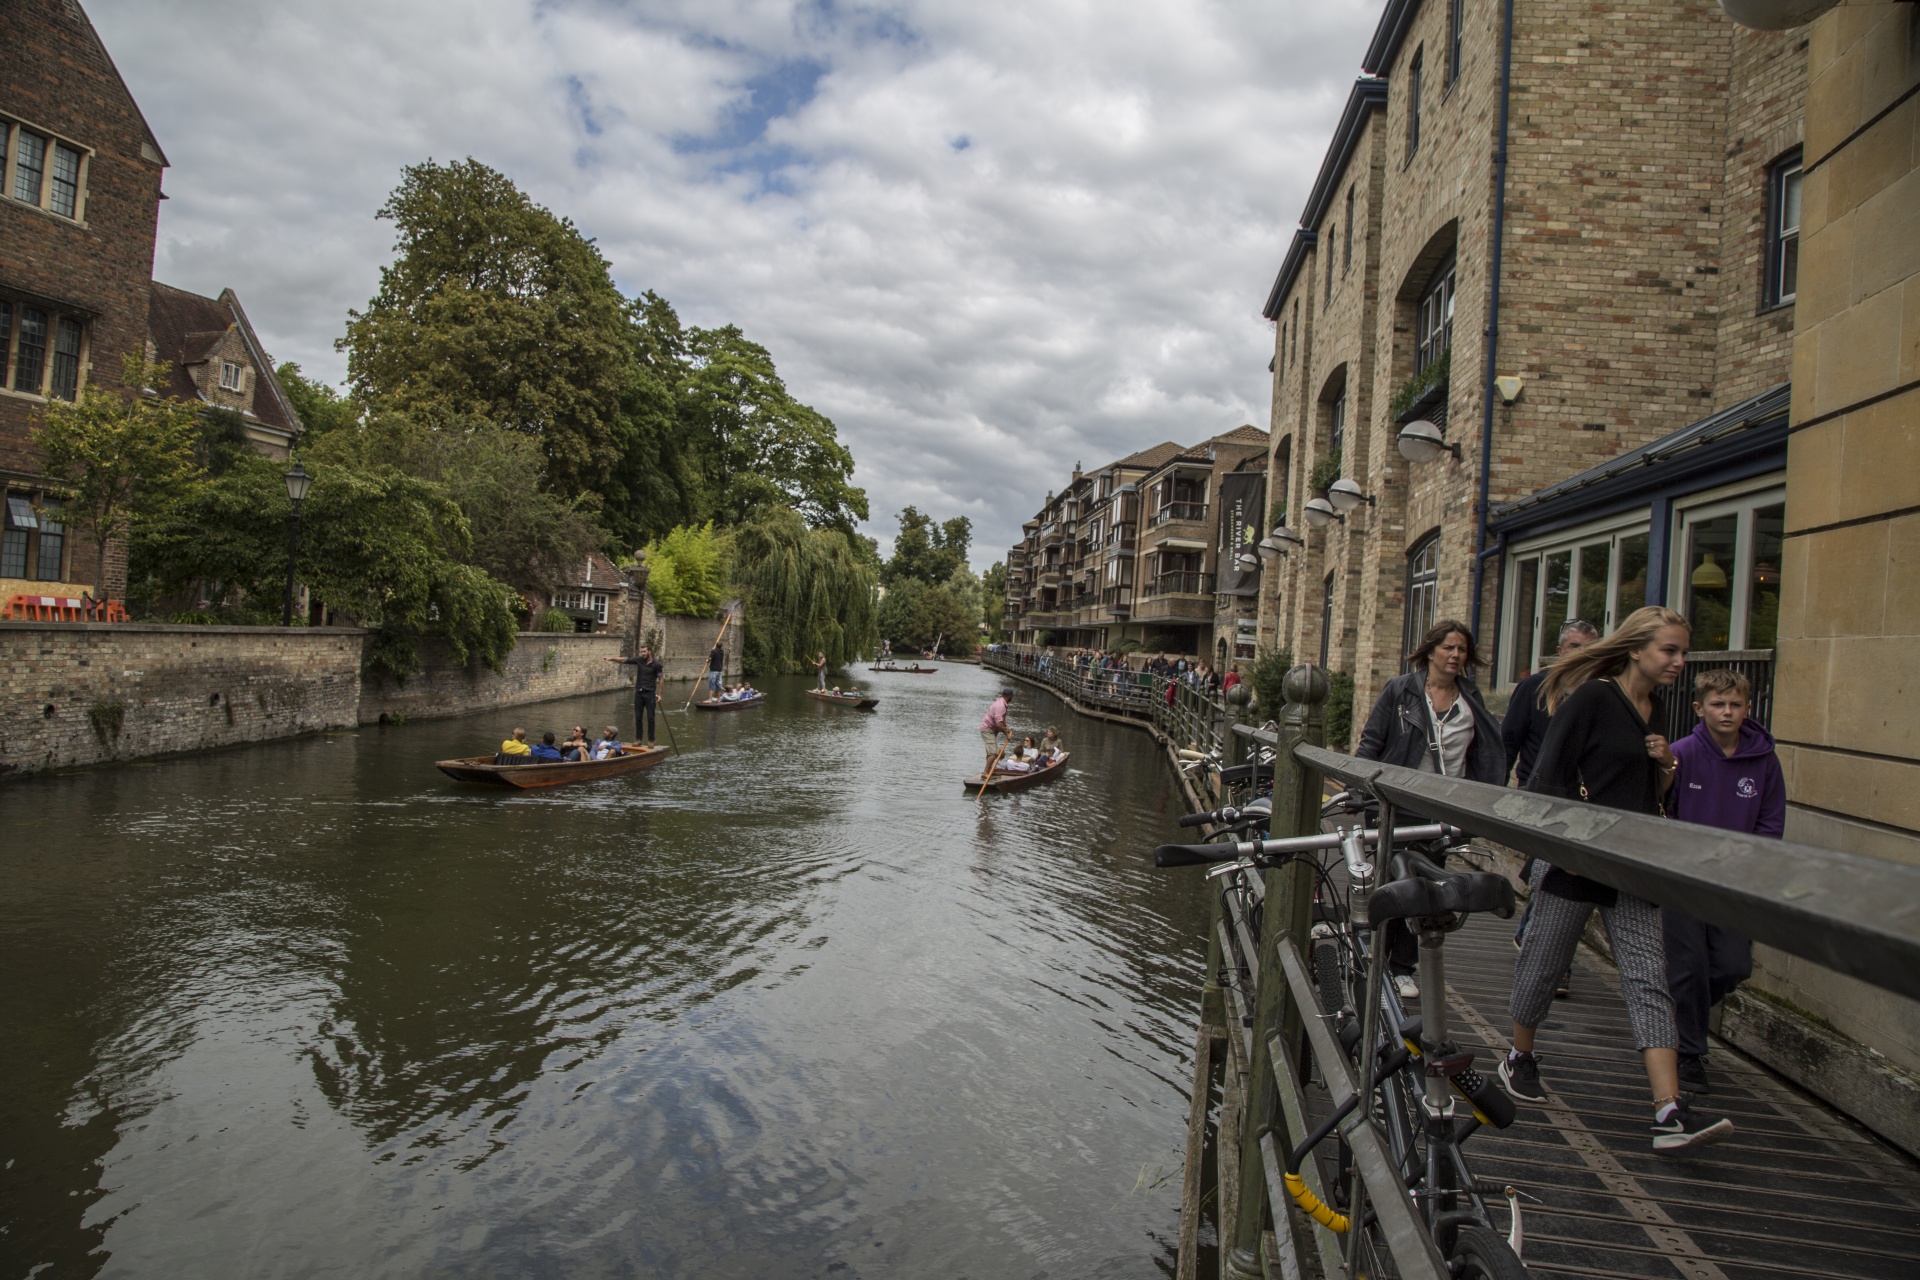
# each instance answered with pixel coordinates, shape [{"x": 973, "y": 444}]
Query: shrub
[
  {"x": 1267, "y": 674},
  {"x": 554, "y": 620},
  {"x": 1324, "y": 473},
  {"x": 1419, "y": 384},
  {"x": 1339, "y": 710}
]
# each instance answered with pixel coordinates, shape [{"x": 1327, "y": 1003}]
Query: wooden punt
[
  {"x": 915, "y": 670},
  {"x": 549, "y": 774},
  {"x": 1019, "y": 781},
  {"x": 722, "y": 704},
  {"x": 859, "y": 702}
]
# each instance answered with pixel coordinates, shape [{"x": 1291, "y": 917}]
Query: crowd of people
[
  {"x": 517, "y": 750},
  {"x": 1138, "y": 670}
]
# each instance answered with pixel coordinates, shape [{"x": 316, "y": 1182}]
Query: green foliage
[
  {"x": 1267, "y": 674},
  {"x": 1126, "y": 645},
  {"x": 687, "y": 571},
  {"x": 1339, "y": 710},
  {"x": 121, "y": 455},
  {"x": 928, "y": 552},
  {"x": 804, "y": 590},
  {"x": 223, "y": 438},
  {"x": 319, "y": 407},
  {"x": 553, "y": 620},
  {"x": 1277, "y": 515},
  {"x": 378, "y": 544},
  {"x": 993, "y": 604},
  {"x": 1419, "y": 384},
  {"x": 495, "y": 310},
  {"x": 107, "y": 718},
  {"x": 1324, "y": 473},
  {"x": 914, "y": 614},
  {"x": 521, "y": 534}
]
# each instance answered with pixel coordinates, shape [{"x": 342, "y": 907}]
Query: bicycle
[{"x": 1410, "y": 1080}]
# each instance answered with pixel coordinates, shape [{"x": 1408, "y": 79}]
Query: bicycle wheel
[
  {"x": 1327, "y": 976},
  {"x": 1479, "y": 1254}
]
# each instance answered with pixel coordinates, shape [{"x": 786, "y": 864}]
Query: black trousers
[
  {"x": 1704, "y": 964},
  {"x": 643, "y": 718}
]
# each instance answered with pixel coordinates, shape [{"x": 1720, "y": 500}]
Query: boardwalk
[{"x": 1799, "y": 1191}]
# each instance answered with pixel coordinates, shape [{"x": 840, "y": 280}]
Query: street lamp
[
  {"x": 1279, "y": 543},
  {"x": 298, "y": 482},
  {"x": 1320, "y": 513},
  {"x": 1423, "y": 442},
  {"x": 1347, "y": 494}
]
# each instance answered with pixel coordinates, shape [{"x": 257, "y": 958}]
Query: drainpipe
[{"x": 1492, "y": 331}]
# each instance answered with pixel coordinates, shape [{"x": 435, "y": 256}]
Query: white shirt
[{"x": 1454, "y": 730}]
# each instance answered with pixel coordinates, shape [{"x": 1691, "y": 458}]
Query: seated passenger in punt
[
  {"x": 514, "y": 750},
  {"x": 544, "y": 752},
  {"x": 1050, "y": 746},
  {"x": 609, "y": 744},
  {"x": 578, "y": 746}
]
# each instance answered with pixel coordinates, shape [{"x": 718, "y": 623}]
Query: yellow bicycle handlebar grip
[{"x": 1312, "y": 1206}]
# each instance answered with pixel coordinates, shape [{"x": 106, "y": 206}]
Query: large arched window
[
  {"x": 1433, "y": 319},
  {"x": 1423, "y": 590}
]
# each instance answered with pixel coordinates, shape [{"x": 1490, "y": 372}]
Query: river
[{"x": 788, "y": 1004}]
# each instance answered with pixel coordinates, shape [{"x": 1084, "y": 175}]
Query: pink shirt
[{"x": 996, "y": 721}]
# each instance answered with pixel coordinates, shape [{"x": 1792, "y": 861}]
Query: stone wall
[
  {"x": 74, "y": 693},
  {"x": 684, "y": 642},
  {"x": 542, "y": 666}
]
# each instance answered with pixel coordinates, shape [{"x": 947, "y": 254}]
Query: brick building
[
  {"x": 1617, "y": 275},
  {"x": 1144, "y": 549},
  {"x": 79, "y": 202},
  {"x": 218, "y": 361}
]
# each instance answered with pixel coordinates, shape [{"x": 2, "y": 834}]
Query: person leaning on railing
[{"x": 1600, "y": 749}]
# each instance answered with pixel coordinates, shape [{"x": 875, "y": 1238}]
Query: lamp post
[{"x": 298, "y": 482}]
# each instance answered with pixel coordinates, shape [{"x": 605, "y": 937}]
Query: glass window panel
[
  {"x": 13, "y": 554},
  {"x": 1326, "y": 621},
  {"x": 1595, "y": 562},
  {"x": 30, "y": 359},
  {"x": 1553, "y": 608},
  {"x": 1632, "y": 551},
  {"x": 1526, "y": 599},
  {"x": 66, "y": 359},
  {"x": 1763, "y": 600},
  {"x": 48, "y": 568},
  {"x": 6, "y": 329},
  {"x": 66, "y": 180},
  {"x": 1710, "y": 547},
  {"x": 29, "y": 163}
]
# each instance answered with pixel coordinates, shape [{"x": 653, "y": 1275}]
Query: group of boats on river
[{"x": 1005, "y": 770}]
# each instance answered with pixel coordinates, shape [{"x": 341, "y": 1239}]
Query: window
[
  {"x": 1326, "y": 621},
  {"x": 53, "y": 537},
  {"x": 600, "y": 608},
  {"x": 1346, "y": 248},
  {"x": 1599, "y": 577},
  {"x": 30, "y": 351},
  {"x": 1433, "y": 321},
  {"x": 66, "y": 359},
  {"x": 47, "y": 173},
  {"x": 1783, "y": 231},
  {"x": 6, "y": 336},
  {"x": 1729, "y": 572},
  {"x": 31, "y": 537},
  {"x": 1414, "y": 73},
  {"x": 64, "y": 194},
  {"x": 1295, "y": 351},
  {"x": 1331, "y": 233},
  {"x": 29, "y": 166},
  {"x": 1456, "y": 30},
  {"x": 229, "y": 376},
  {"x": 1337, "y": 425},
  {"x": 1423, "y": 590}
]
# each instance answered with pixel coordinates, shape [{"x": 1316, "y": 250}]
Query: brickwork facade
[
  {"x": 1630, "y": 294},
  {"x": 542, "y": 666}
]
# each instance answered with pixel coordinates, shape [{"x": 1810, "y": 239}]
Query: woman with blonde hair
[{"x": 1600, "y": 748}]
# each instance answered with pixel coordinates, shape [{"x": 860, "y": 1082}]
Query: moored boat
[
  {"x": 1005, "y": 781},
  {"x": 858, "y": 701},
  {"x": 730, "y": 704},
  {"x": 549, "y": 773}
]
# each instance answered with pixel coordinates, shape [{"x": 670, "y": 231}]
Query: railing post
[{"x": 1288, "y": 914}]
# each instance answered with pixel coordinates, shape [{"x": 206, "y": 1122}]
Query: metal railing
[
  {"x": 1178, "y": 584},
  {"x": 1675, "y": 717},
  {"x": 1849, "y": 912},
  {"x": 1186, "y": 512},
  {"x": 1187, "y": 716}
]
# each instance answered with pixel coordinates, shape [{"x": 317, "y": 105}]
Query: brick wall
[
  {"x": 685, "y": 642},
  {"x": 543, "y": 665},
  {"x": 83, "y": 693}
]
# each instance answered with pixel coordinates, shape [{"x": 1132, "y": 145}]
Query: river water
[{"x": 788, "y": 1004}]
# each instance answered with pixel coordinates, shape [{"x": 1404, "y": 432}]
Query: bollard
[{"x": 1289, "y": 914}]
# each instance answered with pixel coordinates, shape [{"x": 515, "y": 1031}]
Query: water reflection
[{"x": 789, "y": 1004}]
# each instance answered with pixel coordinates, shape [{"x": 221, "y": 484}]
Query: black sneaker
[
  {"x": 1683, "y": 1129},
  {"x": 1520, "y": 1073},
  {"x": 1693, "y": 1074}
]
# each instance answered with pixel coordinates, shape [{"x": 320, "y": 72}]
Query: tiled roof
[
  {"x": 1153, "y": 457},
  {"x": 186, "y": 328},
  {"x": 1247, "y": 434}
]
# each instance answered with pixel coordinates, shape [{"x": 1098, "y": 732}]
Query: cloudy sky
[{"x": 988, "y": 239}]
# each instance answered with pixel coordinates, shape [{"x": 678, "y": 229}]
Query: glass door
[{"x": 1728, "y": 576}]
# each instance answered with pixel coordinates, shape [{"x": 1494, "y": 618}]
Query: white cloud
[{"x": 988, "y": 240}]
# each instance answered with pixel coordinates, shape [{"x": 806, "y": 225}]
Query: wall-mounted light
[
  {"x": 1279, "y": 543},
  {"x": 1421, "y": 441},
  {"x": 1320, "y": 513},
  {"x": 1508, "y": 388},
  {"x": 1347, "y": 494}
]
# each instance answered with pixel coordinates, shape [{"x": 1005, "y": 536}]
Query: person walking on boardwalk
[
  {"x": 1600, "y": 748},
  {"x": 1432, "y": 719},
  {"x": 820, "y": 670},
  {"x": 1726, "y": 776},
  {"x": 993, "y": 730},
  {"x": 646, "y": 691},
  {"x": 716, "y": 668}
]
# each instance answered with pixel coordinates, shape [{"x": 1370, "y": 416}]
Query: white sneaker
[{"x": 1407, "y": 988}]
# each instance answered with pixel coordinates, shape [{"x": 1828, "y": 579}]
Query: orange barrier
[{"x": 63, "y": 609}]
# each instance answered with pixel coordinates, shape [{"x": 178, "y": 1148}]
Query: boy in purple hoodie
[{"x": 1725, "y": 775}]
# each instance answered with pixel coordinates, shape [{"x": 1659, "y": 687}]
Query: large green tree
[
  {"x": 916, "y": 615},
  {"x": 927, "y": 551},
  {"x": 993, "y": 604},
  {"x": 495, "y": 310},
  {"x": 804, "y": 591}
]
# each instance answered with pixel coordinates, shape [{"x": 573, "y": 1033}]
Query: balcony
[
  {"x": 1050, "y": 534},
  {"x": 1118, "y": 602},
  {"x": 1049, "y": 578},
  {"x": 1179, "y": 583},
  {"x": 1179, "y": 513}
]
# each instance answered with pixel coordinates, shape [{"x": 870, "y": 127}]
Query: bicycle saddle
[{"x": 1429, "y": 890}]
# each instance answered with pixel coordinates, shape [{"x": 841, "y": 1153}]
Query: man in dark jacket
[
  {"x": 1525, "y": 726},
  {"x": 646, "y": 690}
]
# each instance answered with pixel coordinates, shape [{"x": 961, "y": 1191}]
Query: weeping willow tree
[{"x": 805, "y": 591}]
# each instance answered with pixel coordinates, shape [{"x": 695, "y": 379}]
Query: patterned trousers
[{"x": 1639, "y": 949}]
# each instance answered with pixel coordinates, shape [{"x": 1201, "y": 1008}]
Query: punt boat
[
  {"x": 1005, "y": 781},
  {"x": 858, "y": 701},
  {"x": 550, "y": 773},
  {"x": 730, "y": 704}
]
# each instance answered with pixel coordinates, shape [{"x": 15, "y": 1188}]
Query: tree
[
  {"x": 495, "y": 310},
  {"x": 320, "y": 408},
  {"x": 915, "y": 614},
  {"x": 122, "y": 454},
  {"x": 928, "y": 552},
  {"x": 757, "y": 446},
  {"x": 993, "y": 606},
  {"x": 804, "y": 590},
  {"x": 687, "y": 571},
  {"x": 655, "y": 482}
]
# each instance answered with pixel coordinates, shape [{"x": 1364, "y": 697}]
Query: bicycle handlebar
[{"x": 1188, "y": 855}]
